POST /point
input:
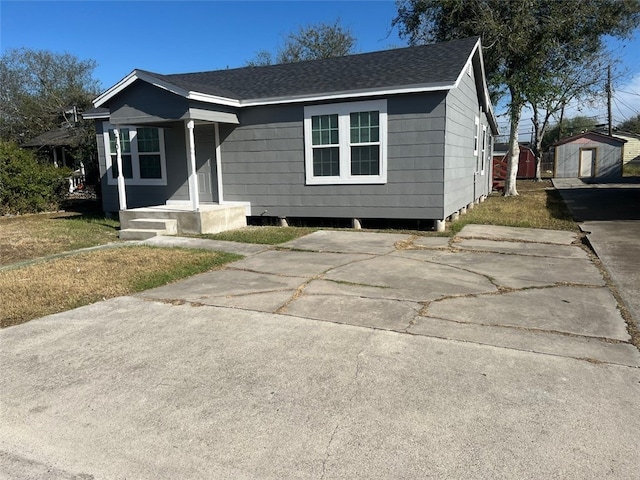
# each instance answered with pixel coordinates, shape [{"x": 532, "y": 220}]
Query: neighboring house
[
  {"x": 631, "y": 149},
  {"x": 588, "y": 155},
  {"x": 58, "y": 143},
  {"x": 526, "y": 163},
  {"x": 398, "y": 134}
]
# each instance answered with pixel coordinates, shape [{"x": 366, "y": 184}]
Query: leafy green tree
[
  {"x": 26, "y": 185},
  {"x": 567, "y": 128},
  {"x": 312, "y": 42},
  {"x": 38, "y": 89},
  {"x": 631, "y": 125},
  {"x": 525, "y": 43}
]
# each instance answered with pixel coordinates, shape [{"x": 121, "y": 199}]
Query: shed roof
[{"x": 596, "y": 135}]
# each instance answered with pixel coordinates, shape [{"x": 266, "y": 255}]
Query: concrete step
[
  {"x": 168, "y": 225},
  {"x": 139, "y": 233}
]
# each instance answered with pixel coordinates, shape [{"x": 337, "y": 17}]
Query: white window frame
[
  {"x": 135, "y": 156},
  {"x": 476, "y": 134},
  {"x": 484, "y": 149},
  {"x": 343, "y": 110}
]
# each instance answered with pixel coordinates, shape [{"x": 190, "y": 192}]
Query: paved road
[
  {"x": 499, "y": 354},
  {"x": 610, "y": 215}
]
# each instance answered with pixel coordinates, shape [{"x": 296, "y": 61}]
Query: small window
[
  {"x": 484, "y": 149},
  {"x": 143, "y": 160},
  {"x": 347, "y": 143},
  {"x": 476, "y": 132}
]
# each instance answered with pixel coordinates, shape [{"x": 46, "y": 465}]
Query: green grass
[
  {"x": 631, "y": 170},
  {"x": 538, "y": 205},
  {"x": 261, "y": 235}
]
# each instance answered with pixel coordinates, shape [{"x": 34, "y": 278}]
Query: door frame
[{"x": 594, "y": 161}]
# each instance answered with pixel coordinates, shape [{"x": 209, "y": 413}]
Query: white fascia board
[
  {"x": 94, "y": 116},
  {"x": 485, "y": 97},
  {"x": 132, "y": 77},
  {"x": 206, "y": 98},
  {"x": 117, "y": 88},
  {"x": 346, "y": 94},
  {"x": 469, "y": 60}
]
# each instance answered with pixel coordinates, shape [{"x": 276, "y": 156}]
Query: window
[
  {"x": 484, "y": 149},
  {"x": 476, "y": 132},
  {"x": 346, "y": 143},
  {"x": 143, "y": 160}
]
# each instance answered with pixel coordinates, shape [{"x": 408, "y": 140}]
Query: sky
[{"x": 190, "y": 36}]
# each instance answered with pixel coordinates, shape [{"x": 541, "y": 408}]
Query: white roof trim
[
  {"x": 345, "y": 94},
  {"x": 94, "y": 115},
  {"x": 231, "y": 102},
  {"x": 132, "y": 77},
  {"x": 485, "y": 97}
]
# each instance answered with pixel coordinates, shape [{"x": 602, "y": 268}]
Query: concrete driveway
[
  {"x": 609, "y": 213},
  {"x": 499, "y": 354}
]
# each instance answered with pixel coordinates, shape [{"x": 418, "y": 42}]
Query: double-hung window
[
  {"x": 142, "y": 152},
  {"x": 346, "y": 143}
]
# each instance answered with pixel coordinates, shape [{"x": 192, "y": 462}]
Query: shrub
[{"x": 26, "y": 185}]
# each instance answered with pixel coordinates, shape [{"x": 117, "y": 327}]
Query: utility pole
[
  {"x": 561, "y": 120},
  {"x": 609, "y": 119}
]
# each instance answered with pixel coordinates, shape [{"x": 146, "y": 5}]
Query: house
[
  {"x": 526, "y": 163},
  {"x": 396, "y": 134},
  {"x": 631, "y": 149},
  {"x": 588, "y": 155}
]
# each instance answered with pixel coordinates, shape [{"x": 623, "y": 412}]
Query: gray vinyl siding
[
  {"x": 608, "y": 158},
  {"x": 263, "y": 163},
  {"x": 145, "y": 195},
  {"x": 142, "y": 102},
  {"x": 461, "y": 186}
]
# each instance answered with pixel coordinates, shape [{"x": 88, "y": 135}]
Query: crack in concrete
[
  {"x": 353, "y": 384},
  {"x": 526, "y": 329},
  {"x": 535, "y": 352}
]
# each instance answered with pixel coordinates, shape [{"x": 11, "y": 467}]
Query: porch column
[
  {"x": 216, "y": 130},
  {"x": 194, "y": 193},
  {"x": 122, "y": 194}
]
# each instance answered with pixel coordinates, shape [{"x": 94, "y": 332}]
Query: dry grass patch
[
  {"x": 55, "y": 286},
  {"x": 32, "y": 236},
  {"x": 539, "y": 205}
]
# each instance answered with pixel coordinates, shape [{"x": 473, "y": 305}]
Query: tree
[
  {"x": 583, "y": 79},
  {"x": 38, "y": 88},
  {"x": 313, "y": 42},
  {"x": 27, "y": 185},
  {"x": 524, "y": 42},
  {"x": 631, "y": 125}
]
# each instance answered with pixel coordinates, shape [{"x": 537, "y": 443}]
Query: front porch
[{"x": 146, "y": 222}]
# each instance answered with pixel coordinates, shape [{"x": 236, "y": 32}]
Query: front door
[
  {"x": 587, "y": 162},
  {"x": 204, "y": 137}
]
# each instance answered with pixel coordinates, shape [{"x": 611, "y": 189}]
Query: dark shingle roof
[
  {"x": 63, "y": 136},
  {"x": 428, "y": 65}
]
